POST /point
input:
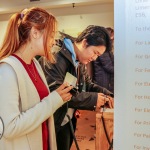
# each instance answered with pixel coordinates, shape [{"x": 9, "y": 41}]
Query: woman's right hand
[
  {"x": 63, "y": 91},
  {"x": 100, "y": 100}
]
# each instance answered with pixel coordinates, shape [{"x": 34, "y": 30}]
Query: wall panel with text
[{"x": 132, "y": 75}]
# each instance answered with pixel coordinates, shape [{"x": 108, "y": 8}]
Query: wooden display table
[{"x": 101, "y": 139}]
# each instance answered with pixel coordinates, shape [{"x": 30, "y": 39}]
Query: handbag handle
[{"x": 110, "y": 142}]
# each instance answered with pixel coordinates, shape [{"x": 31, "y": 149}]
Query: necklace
[
  {"x": 32, "y": 65},
  {"x": 33, "y": 74}
]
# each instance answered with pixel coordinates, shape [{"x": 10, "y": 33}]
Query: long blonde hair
[{"x": 18, "y": 31}]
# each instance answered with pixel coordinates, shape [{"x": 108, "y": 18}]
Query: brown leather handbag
[{"x": 104, "y": 130}]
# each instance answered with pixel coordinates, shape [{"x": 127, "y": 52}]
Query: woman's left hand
[{"x": 109, "y": 101}]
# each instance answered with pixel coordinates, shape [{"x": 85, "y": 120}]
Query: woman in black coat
[
  {"x": 103, "y": 67},
  {"x": 72, "y": 57}
]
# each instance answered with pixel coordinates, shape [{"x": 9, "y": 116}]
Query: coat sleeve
[
  {"x": 56, "y": 73},
  {"x": 87, "y": 100},
  {"x": 107, "y": 62},
  {"x": 17, "y": 122},
  {"x": 91, "y": 86}
]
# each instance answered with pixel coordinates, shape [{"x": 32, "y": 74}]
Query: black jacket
[
  {"x": 56, "y": 72},
  {"x": 103, "y": 71}
]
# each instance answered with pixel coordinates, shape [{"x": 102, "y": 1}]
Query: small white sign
[{"x": 69, "y": 78}]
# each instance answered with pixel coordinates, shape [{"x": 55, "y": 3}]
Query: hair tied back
[{"x": 23, "y": 13}]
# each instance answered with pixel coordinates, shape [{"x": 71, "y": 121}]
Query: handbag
[{"x": 104, "y": 130}]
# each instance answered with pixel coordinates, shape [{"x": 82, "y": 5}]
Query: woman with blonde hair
[{"x": 26, "y": 104}]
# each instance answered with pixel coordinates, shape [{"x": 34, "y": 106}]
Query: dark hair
[
  {"x": 111, "y": 32},
  {"x": 95, "y": 36}
]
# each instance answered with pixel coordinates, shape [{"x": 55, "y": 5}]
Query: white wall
[
  {"x": 3, "y": 25},
  {"x": 74, "y": 20},
  {"x": 132, "y": 75}
]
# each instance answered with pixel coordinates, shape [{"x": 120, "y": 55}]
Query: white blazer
[{"x": 21, "y": 108}]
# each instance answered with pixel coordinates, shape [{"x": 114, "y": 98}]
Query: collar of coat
[{"x": 66, "y": 53}]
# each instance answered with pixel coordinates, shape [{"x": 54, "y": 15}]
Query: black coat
[
  {"x": 103, "y": 71},
  {"x": 56, "y": 72}
]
